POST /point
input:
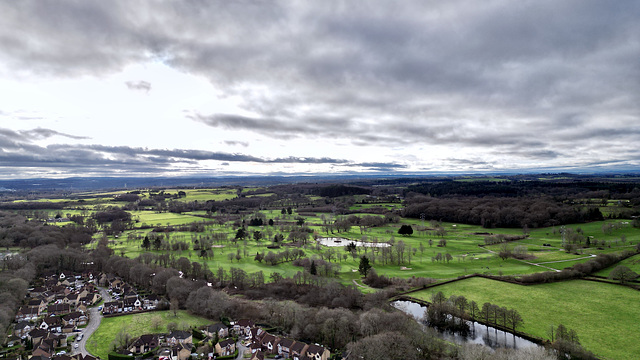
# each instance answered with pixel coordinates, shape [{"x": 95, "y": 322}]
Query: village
[{"x": 53, "y": 324}]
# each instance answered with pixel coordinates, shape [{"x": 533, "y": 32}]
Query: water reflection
[{"x": 478, "y": 334}]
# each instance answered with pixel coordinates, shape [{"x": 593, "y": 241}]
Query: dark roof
[
  {"x": 227, "y": 342},
  {"x": 298, "y": 346},
  {"x": 21, "y": 325},
  {"x": 37, "y": 333},
  {"x": 215, "y": 327},
  {"x": 52, "y": 320},
  {"x": 315, "y": 349},
  {"x": 245, "y": 323},
  {"x": 286, "y": 342}
]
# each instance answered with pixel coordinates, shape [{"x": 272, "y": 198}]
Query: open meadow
[
  {"x": 138, "y": 324},
  {"x": 604, "y": 315}
]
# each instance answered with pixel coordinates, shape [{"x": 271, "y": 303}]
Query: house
[
  {"x": 40, "y": 304},
  {"x": 59, "y": 309},
  {"x": 85, "y": 357},
  {"x": 37, "y": 334},
  {"x": 131, "y": 303},
  {"x": 75, "y": 318},
  {"x": 258, "y": 355},
  {"x": 150, "y": 302},
  {"x": 51, "y": 324},
  {"x": 144, "y": 344},
  {"x": 67, "y": 329},
  {"x": 179, "y": 337},
  {"x": 112, "y": 307},
  {"x": 219, "y": 328},
  {"x": 256, "y": 334},
  {"x": 270, "y": 343},
  {"x": 26, "y": 313},
  {"x": 62, "y": 357},
  {"x": 284, "y": 347},
  {"x": 317, "y": 352},
  {"x": 255, "y": 346},
  {"x": 243, "y": 327},
  {"x": 298, "y": 350},
  {"x": 22, "y": 329},
  {"x": 46, "y": 347},
  {"x": 177, "y": 352},
  {"x": 226, "y": 347}
]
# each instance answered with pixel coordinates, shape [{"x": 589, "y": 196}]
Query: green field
[
  {"x": 136, "y": 325},
  {"x": 604, "y": 315}
]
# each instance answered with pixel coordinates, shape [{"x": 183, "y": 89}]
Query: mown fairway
[
  {"x": 138, "y": 324},
  {"x": 604, "y": 315}
]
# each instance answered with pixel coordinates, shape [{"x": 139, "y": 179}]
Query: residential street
[{"x": 95, "y": 316}]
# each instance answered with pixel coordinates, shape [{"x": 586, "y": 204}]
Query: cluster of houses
[
  {"x": 126, "y": 298},
  {"x": 262, "y": 344},
  {"x": 178, "y": 345},
  {"x": 53, "y": 311}
]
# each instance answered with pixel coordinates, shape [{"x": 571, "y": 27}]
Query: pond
[
  {"x": 335, "y": 242},
  {"x": 478, "y": 334}
]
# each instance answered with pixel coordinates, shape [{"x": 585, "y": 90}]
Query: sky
[{"x": 211, "y": 88}]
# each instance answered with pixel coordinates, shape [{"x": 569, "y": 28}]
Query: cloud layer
[{"x": 382, "y": 86}]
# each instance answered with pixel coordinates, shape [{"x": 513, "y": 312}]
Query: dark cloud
[{"x": 143, "y": 86}]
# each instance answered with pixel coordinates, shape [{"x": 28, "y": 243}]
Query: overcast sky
[{"x": 265, "y": 87}]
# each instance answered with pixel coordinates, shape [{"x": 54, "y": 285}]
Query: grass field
[
  {"x": 604, "y": 315},
  {"x": 137, "y": 324}
]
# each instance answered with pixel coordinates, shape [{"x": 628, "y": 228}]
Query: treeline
[
  {"x": 602, "y": 261},
  {"x": 15, "y": 277},
  {"x": 560, "y": 189},
  {"x": 490, "y": 212}
]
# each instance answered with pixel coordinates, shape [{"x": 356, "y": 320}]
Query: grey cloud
[
  {"x": 143, "y": 86},
  {"x": 41, "y": 133},
  {"x": 236, "y": 143},
  {"x": 503, "y": 78}
]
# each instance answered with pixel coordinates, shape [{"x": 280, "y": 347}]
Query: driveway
[{"x": 95, "y": 317}]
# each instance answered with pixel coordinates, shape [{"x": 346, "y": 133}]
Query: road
[{"x": 95, "y": 317}]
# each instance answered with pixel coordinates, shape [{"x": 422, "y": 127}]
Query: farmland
[{"x": 602, "y": 314}]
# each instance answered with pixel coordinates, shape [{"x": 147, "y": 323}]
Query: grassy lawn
[
  {"x": 137, "y": 324},
  {"x": 604, "y": 315}
]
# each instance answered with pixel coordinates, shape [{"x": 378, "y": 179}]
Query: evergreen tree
[
  {"x": 405, "y": 230},
  {"x": 364, "y": 266},
  {"x": 146, "y": 244},
  {"x": 313, "y": 270}
]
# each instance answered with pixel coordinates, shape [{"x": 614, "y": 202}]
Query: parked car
[
  {"x": 75, "y": 346},
  {"x": 79, "y": 337}
]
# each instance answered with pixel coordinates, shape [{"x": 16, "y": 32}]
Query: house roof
[
  {"x": 146, "y": 340},
  {"x": 298, "y": 346},
  {"x": 215, "y": 327},
  {"x": 268, "y": 338},
  {"x": 245, "y": 323},
  {"x": 36, "y": 333},
  {"x": 286, "y": 342},
  {"x": 315, "y": 349},
  {"x": 52, "y": 320},
  {"x": 22, "y": 325},
  {"x": 227, "y": 342}
]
